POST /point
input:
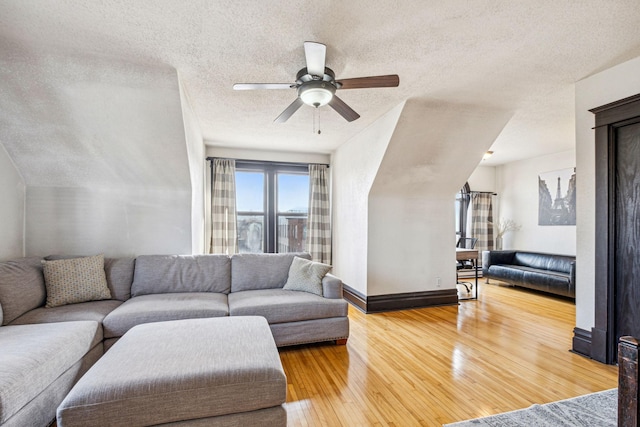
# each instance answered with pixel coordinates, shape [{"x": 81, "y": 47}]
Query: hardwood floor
[{"x": 426, "y": 367}]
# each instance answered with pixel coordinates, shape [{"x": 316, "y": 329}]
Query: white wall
[
  {"x": 608, "y": 86},
  {"x": 394, "y": 192},
  {"x": 354, "y": 166},
  {"x": 483, "y": 178},
  {"x": 518, "y": 200},
  {"x": 12, "y": 195},
  {"x": 105, "y": 160},
  {"x": 433, "y": 150},
  {"x": 113, "y": 221},
  {"x": 195, "y": 154}
]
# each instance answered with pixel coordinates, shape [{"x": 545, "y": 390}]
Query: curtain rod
[
  {"x": 483, "y": 192},
  {"x": 270, "y": 162}
]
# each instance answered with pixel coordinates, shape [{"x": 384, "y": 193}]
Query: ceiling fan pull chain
[
  {"x": 316, "y": 113},
  {"x": 314, "y": 120}
]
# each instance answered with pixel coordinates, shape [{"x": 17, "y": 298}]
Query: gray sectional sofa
[{"x": 44, "y": 351}]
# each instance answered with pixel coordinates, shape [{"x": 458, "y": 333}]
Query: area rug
[{"x": 595, "y": 409}]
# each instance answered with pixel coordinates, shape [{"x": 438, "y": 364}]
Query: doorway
[{"x": 617, "y": 265}]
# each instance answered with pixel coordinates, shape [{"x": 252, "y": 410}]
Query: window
[
  {"x": 250, "y": 204},
  {"x": 272, "y": 203},
  {"x": 463, "y": 199}
]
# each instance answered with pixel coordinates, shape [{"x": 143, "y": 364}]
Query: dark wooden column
[
  {"x": 628, "y": 382},
  {"x": 617, "y": 229}
]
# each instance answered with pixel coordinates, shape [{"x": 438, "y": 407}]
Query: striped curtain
[
  {"x": 482, "y": 220},
  {"x": 319, "y": 222},
  {"x": 224, "y": 236}
]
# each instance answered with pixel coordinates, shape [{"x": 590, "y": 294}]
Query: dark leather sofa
[{"x": 550, "y": 273}]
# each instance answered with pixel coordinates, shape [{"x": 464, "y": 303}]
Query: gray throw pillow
[
  {"x": 74, "y": 280},
  {"x": 306, "y": 276}
]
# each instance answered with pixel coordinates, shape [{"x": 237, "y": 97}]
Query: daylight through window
[{"x": 272, "y": 202}]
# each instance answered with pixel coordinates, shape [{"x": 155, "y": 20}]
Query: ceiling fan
[{"x": 317, "y": 85}]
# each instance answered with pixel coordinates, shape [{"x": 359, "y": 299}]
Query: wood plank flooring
[{"x": 426, "y": 367}]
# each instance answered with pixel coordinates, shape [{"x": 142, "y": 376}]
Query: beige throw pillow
[
  {"x": 306, "y": 276},
  {"x": 74, "y": 280}
]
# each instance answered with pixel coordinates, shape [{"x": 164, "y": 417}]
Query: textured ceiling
[{"x": 521, "y": 56}]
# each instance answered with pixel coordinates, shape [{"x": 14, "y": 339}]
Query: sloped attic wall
[
  {"x": 433, "y": 150},
  {"x": 195, "y": 152},
  {"x": 353, "y": 169},
  {"x": 12, "y": 192},
  {"x": 101, "y": 146},
  {"x": 407, "y": 167}
]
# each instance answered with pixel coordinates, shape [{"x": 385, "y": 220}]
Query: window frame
[
  {"x": 270, "y": 209},
  {"x": 464, "y": 198}
]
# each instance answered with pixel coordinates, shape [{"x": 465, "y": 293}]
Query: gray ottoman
[{"x": 222, "y": 371}]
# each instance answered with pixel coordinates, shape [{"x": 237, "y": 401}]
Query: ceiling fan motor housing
[{"x": 304, "y": 76}]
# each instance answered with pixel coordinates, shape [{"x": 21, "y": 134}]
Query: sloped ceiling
[
  {"x": 60, "y": 57},
  {"x": 434, "y": 148},
  {"x": 93, "y": 122}
]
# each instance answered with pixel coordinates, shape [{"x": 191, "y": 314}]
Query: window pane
[
  {"x": 250, "y": 191},
  {"x": 292, "y": 233},
  {"x": 250, "y": 233},
  {"x": 458, "y": 209},
  {"x": 293, "y": 193}
]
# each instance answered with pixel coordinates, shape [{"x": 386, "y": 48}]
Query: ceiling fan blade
[
  {"x": 343, "y": 109},
  {"x": 391, "y": 80},
  {"x": 288, "y": 112},
  {"x": 252, "y": 86},
  {"x": 315, "y": 54}
]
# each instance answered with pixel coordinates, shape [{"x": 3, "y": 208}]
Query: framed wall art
[{"x": 557, "y": 197}]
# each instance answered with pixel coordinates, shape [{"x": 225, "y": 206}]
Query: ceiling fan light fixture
[{"x": 316, "y": 93}]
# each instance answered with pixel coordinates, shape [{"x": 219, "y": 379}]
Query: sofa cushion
[
  {"x": 119, "y": 272},
  {"x": 306, "y": 276},
  {"x": 529, "y": 259},
  {"x": 34, "y": 356},
  {"x": 555, "y": 282},
  {"x": 507, "y": 273},
  {"x": 74, "y": 280},
  {"x": 544, "y": 261},
  {"x": 92, "y": 310},
  {"x": 261, "y": 271},
  {"x": 546, "y": 278},
  {"x": 280, "y": 306},
  {"x": 21, "y": 287},
  {"x": 163, "y": 307},
  {"x": 160, "y": 274},
  {"x": 561, "y": 263}
]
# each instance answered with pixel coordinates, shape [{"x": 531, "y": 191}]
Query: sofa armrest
[
  {"x": 331, "y": 287},
  {"x": 572, "y": 275},
  {"x": 497, "y": 257},
  {"x": 490, "y": 258}
]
